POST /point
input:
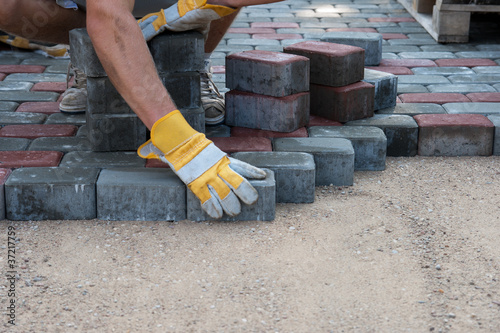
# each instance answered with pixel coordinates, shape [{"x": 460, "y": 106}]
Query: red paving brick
[
  {"x": 276, "y": 36},
  {"x": 4, "y": 174},
  {"x": 249, "y": 132},
  {"x": 391, "y": 19},
  {"x": 37, "y": 131},
  {"x": 394, "y": 36},
  {"x": 39, "y": 107},
  {"x": 218, "y": 69},
  {"x": 154, "y": 163},
  {"x": 465, "y": 62},
  {"x": 445, "y": 120},
  {"x": 320, "y": 121},
  {"x": 352, "y": 29},
  {"x": 59, "y": 87},
  {"x": 437, "y": 98},
  {"x": 407, "y": 63},
  {"x": 275, "y": 25},
  {"x": 9, "y": 69},
  {"x": 234, "y": 145},
  {"x": 393, "y": 70},
  {"x": 18, "y": 159},
  {"x": 2, "y": 76},
  {"x": 251, "y": 31},
  {"x": 493, "y": 97}
]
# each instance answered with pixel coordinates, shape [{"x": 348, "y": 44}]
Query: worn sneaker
[
  {"x": 211, "y": 99},
  {"x": 74, "y": 99}
]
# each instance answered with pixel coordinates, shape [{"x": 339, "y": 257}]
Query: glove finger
[
  {"x": 246, "y": 170},
  {"x": 219, "y": 189},
  {"x": 212, "y": 206},
  {"x": 239, "y": 185}
]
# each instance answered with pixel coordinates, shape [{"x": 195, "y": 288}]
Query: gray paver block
[
  {"x": 8, "y": 106},
  {"x": 331, "y": 64},
  {"x": 63, "y": 144},
  {"x": 83, "y": 55},
  {"x": 115, "y": 132},
  {"x": 102, "y": 159},
  {"x": 401, "y": 132},
  {"x": 9, "y": 85},
  {"x": 103, "y": 98},
  {"x": 69, "y": 119},
  {"x": 442, "y": 71},
  {"x": 423, "y": 79},
  {"x": 267, "y": 73},
  {"x": 455, "y": 135},
  {"x": 10, "y": 144},
  {"x": 412, "y": 88},
  {"x": 413, "y": 109},
  {"x": 130, "y": 194},
  {"x": 484, "y": 109},
  {"x": 28, "y": 96},
  {"x": 294, "y": 173},
  {"x": 195, "y": 117},
  {"x": 334, "y": 157},
  {"x": 479, "y": 78},
  {"x": 21, "y": 118},
  {"x": 460, "y": 88},
  {"x": 263, "y": 210},
  {"x": 369, "y": 41},
  {"x": 35, "y": 77},
  {"x": 221, "y": 131},
  {"x": 184, "y": 88},
  {"x": 4, "y": 174},
  {"x": 280, "y": 114},
  {"x": 51, "y": 194},
  {"x": 496, "y": 143},
  {"x": 369, "y": 143},
  {"x": 386, "y": 88},
  {"x": 178, "y": 51}
]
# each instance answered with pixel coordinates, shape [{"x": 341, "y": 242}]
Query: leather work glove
[
  {"x": 217, "y": 180},
  {"x": 186, "y": 15}
]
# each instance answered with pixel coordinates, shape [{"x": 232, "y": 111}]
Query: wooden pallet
[{"x": 450, "y": 19}]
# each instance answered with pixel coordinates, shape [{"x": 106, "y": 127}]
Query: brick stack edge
[
  {"x": 337, "y": 92},
  {"x": 269, "y": 91},
  {"x": 111, "y": 123}
]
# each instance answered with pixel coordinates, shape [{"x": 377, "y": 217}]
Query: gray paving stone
[
  {"x": 35, "y": 77},
  {"x": 269, "y": 73},
  {"x": 294, "y": 173},
  {"x": 64, "y": 118},
  {"x": 28, "y": 96},
  {"x": 14, "y": 85},
  {"x": 4, "y": 174},
  {"x": 412, "y": 88},
  {"x": 51, "y": 194},
  {"x": 252, "y": 42},
  {"x": 130, "y": 194},
  {"x": 423, "y": 79},
  {"x": 386, "y": 86},
  {"x": 102, "y": 159},
  {"x": 184, "y": 88},
  {"x": 21, "y": 118},
  {"x": 83, "y": 55},
  {"x": 82, "y": 131},
  {"x": 400, "y": 48},
  {"x": 103, "y": 98},
  {"x": 6, "y": 60},
  {"x": 479, "y": 78},
  {"x": 497, "y": 86},
  {"x": 400, "y": 30},
  {"x": 370, "y": 42},
  {"x": 44, "y": 61},
  {"x": 10, "y": 144},
  {"x": 195, "y": 117},
  {"x": 401, "y": 132},
  {"x": 334, "y": 157},
  {"x": 61, "y": 68},
  {"x": 460, "y": 88},
  {"x": 419, "y": 36},
  {"x": 448, "y": 48},
  {"x": 496, "y": 142},
  {"x": 221, "y": 131},
  {"x": 409, "y": 42},
  {"x": 369, "y": 143},
  {"x": 479, "y": 54},
  {"x": 115, "y": 132},
  {"x": 371, "y": 24},
  {"x": 263, "y": 210},
  {"x": 486, "y": 69},
  {"x": 427, "y": 55},
  {"x": 484, "y": 109},
  {"x": 63, "y": 144},
  {"x": 8, "y": 106},
  {"x": 388, "y": 55},
  {"x": 442, "y": 71},
  {"x": 413, "y": 109}
]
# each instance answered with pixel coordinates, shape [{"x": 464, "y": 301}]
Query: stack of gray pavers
[{"x": 111, "y": 123}]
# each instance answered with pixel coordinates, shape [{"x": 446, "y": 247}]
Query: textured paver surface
[{"x": 432, "y": 78}]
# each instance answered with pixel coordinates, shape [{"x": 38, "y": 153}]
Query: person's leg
[{"x": 41, "y": 20}]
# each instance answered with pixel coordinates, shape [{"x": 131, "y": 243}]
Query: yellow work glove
[
  {"x": 216, "y": 179},
  {"x": 185, "y": 15}
]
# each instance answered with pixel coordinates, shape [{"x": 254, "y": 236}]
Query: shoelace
[
  {"x": 208, "y": 87},
  {"x": 80, "y": 77}
]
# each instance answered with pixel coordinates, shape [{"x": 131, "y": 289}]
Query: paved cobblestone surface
[{"x": 442, "y": 78}]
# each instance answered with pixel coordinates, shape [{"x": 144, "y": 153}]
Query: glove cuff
[{"x": 171, "y": 132}]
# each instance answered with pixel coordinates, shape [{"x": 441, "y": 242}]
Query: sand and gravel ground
[{"x": 414, "y": 248}]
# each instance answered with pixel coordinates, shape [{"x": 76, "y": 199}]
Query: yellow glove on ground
[
  {"x": 217, "y": 180},
  {"x": 185, "y": 15}
]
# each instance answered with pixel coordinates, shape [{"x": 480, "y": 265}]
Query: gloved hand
[
  {"x": 217, "y": 180},
  {"x": 186, "y": 15}
]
